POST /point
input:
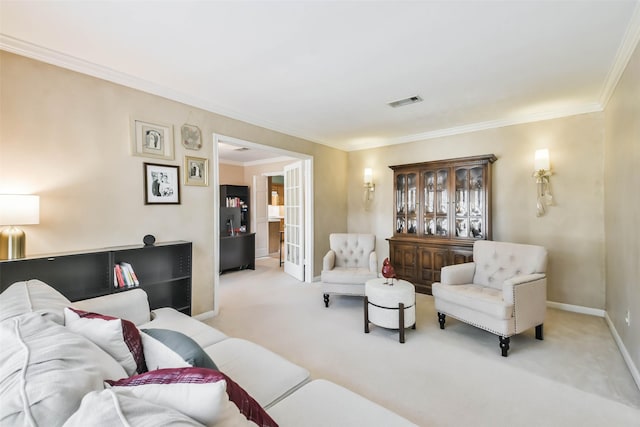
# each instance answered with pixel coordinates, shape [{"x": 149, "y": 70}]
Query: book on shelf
[
  {"x": 125, "y": 276},
  {"x": 118, "y": 273},
  {"x": 131, "y": 273}
]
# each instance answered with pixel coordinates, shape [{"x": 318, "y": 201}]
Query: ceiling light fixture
[{"x": 405, "y": 101}]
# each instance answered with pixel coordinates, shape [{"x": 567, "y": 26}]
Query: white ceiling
[{"x": 325, "y": 70}]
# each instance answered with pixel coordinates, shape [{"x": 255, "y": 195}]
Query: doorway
[{"x": 306, "y": 219}]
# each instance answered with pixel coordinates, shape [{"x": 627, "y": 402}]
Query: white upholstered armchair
[
  {"x": 350, "y": 262},
  {"x": 503, "y": 291}
]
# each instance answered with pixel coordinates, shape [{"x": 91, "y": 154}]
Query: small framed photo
[
  {"x": 151, "y": 139},
  {"x": 161, "y": 184},
  {"x": 196, "y": 171},
  {"x": 191, "y": 137}
]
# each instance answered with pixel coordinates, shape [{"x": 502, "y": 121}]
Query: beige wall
[
  {"x": 622, "y": 208},
  {"x": 572, "y": 230},
  {"x": 65, "y": 136},
  {"x": 231, "y": 174}
]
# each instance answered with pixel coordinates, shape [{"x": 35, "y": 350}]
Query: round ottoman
[{"x": 390, "y": 305}]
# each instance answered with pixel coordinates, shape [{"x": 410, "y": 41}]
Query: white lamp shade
[
  {"x": 368, "y": 175},
  {"x": 541, "y": 160},
  {"x": 19, "y": 209}
]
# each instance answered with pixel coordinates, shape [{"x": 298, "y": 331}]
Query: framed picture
[
  {"x": 151, "y": 139},
  {"x": 161, "y": 184},
  {"x": 196, "y": 171},
  {"x": 191, "y": 137}
]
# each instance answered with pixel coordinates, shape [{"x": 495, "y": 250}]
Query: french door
[{"x": 294, "y": 221}]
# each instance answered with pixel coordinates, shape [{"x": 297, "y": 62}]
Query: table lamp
[{"x": 16, "y": 209}]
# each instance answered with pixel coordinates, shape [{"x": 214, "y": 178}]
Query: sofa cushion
[
  {"x": 33, "y": 296},
  {"x": 322, "y": 403},
  {"x": 169, "y": 318},
  {"x": 108, "y": 408},
  {"x": 184, "y": 346},
  {"x": 45, "y": 370},
  {"x": 118, "y": 337},
  {"x": 132, "y": 305},
  {"x": 263, "y": 374}
]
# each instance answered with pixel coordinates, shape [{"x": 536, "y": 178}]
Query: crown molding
[
  {"x": 49, "y": 56},
  {"x": 626, "y": 49},
  {"x": 23, "y": 48},
  {"x": 491, "y": 124}
]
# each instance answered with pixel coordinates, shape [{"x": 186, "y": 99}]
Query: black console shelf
[{"x": 163, "y": 270}]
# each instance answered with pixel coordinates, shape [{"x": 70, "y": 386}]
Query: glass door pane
[
  {"x": 429, "y": 200},
  {"x": 462, "y": 203},
  {"x": 412, "y": 203}
]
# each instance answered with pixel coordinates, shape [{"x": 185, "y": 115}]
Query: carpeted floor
[{"x": 455, "y": 377}]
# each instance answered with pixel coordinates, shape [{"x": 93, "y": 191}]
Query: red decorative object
[{"x": 388, "y": 272}]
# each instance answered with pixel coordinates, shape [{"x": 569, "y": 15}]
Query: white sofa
[
  {"x": 503, "y": 291},
  {"x": 349, "y": 263},
  {"x": 51, "y": 375}
]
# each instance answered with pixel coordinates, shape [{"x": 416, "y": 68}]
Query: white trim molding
[
  {"x": 204, "y": 316},
  {"x": 576, "y": 308},
  {"x": 623, "y": 350}
]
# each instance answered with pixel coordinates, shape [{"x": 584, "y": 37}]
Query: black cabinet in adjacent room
[{"x": 237, "y": 196}]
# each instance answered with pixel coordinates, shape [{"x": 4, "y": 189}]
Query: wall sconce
[
  {"x": 369, "y": 186},
  {"x": 542, "y": 173},
  {"x": 16, "y": 209}
]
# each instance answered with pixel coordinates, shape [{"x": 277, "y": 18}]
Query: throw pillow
[
  {"x": 159, "y": 356},
  {"x": 107, "y": 408},
  {"x": 33, "y": 296},
  {"x": 184, "y": 346},
  {"x": 196, "y": 392},
  {"x": 118, "y": 337},
  {"x": 45, "y": 370},
  {"x": 247, "y": 405}
]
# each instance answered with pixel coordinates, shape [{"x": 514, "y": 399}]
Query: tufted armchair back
[
  {"x": 352, "y": 250},
  {"x": 498, "y": 261}
]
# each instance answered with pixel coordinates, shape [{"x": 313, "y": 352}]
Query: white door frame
[{"x": 308, "y": 208}]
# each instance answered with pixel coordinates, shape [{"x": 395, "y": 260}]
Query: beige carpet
[{"x": 455, "y": 377}]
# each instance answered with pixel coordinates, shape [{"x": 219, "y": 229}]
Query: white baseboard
[
  {"x": 204, "y": 316},
  {"x": 623, "y": 350},
  {"x": 616, "y": 337},
  {"x": 576, "y": 308}
]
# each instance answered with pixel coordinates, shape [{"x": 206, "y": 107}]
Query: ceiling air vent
[{"x": 406, "y": 101}]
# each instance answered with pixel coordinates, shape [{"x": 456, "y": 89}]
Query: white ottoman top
[{"x": 387, "y": 295}]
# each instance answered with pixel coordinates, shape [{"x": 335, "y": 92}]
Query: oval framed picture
[{"x": 191, "y": 137}]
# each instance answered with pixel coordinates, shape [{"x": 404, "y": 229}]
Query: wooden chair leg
[
  {"x": 441, "y": 317},
  {"x": 539, "y": 332},
  {"x": 504, "y": 345},
  {"x": 326, "y": 300},
  {"x": 366, "y": 314},
  {"x": 401, "y": 321}
]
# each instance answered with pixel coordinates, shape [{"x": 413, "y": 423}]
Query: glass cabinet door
[
  {"x": 469, "y": 213},
  {"x": 429, "y": 200},
  {"x": 412, "y": 203},
  {"x": 401, "y": 203},
  {"x": 442, "y": 203},
  {"x": 462, "y": 203},
  {"x": 435, "y": 210},
  {"x": 406, "y": 210}
]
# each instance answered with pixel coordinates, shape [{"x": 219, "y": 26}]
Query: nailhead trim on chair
[{"x": 477, "y": 325}]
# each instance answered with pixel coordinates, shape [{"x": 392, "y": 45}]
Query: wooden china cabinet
[{"x": 440, "y": 209}]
